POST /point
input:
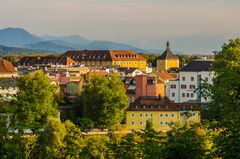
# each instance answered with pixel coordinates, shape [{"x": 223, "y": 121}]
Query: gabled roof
[
  {"x": 198, "y": 66},
  {"x": 103, "y": 55},
  {"x": 6, "y": 66},
  {"x": 167, "y": 54}
]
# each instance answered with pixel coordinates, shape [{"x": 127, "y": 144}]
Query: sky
[{"x": 136, "y": 21}]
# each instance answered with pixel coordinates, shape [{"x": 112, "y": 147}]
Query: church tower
[{"x": 167, "y": 60}]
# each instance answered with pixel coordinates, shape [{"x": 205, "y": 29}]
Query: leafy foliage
[
  {"x": 35, "y": 101},
  {"x": 225, "y": 91},
  {"x": 104, "y": 101}
]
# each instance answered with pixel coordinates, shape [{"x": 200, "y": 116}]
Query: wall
[{"x": 142, "y": 65}]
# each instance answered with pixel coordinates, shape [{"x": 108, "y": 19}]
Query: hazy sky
[{"x": 123, "y": 19}]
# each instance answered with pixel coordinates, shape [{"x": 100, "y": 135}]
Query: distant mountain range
[
  {"x": 18, "y": 40},
  {"x": 21, "y": 40}
]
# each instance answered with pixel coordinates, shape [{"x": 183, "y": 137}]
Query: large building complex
[
  {"x": 120, "y": 58},
  {"x": 167, "y": 60}
]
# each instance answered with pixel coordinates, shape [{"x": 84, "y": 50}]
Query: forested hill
[{"x": 18, "y": 50}]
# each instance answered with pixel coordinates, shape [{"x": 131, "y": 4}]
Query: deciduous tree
[{"x": 104, "y": 101}]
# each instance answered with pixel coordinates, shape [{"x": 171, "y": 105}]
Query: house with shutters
[{"x": 187, "y": 87}]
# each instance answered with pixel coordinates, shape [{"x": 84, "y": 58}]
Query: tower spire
[{"x": 168, "y": 45}]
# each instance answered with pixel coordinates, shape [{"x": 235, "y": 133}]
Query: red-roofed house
[{"x": 6, "y": 69}]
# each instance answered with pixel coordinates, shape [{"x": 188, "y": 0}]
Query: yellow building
[
  {"x": 101, "y": 58},
  {"x": 167, "y": 60},
  {"x": 163, "y": 113}
]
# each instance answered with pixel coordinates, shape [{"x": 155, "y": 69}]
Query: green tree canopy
[
  {"x": 225, "y": 91},
  {"x": 104, "y": 101},
  {"x": 35, "y": 101}
]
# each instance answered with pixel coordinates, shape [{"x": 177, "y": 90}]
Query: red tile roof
[{"x": 6, "y": 66}]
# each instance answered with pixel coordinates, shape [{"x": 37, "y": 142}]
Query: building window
[
  {"x": 183, "y": 86},
  {"x": 161, "y": 123},
  {"x": 140, "y": 115},
  {"x": 132, "y": 115},
  {"x": 140, "y": 123},
  {"x": 187, "y": 94},
  {"x": 192, "y": 78},
  {"x": 183, "y": 94},
  {"x": 183, "y": 78},
  {"x": 132, "y": 123},
  {"x": 173, "y": 94},
  {"x": 192, "y": 87},
  {"x": 146, "y": 115},
  {"x": 166, "y": 123},
  {"x": 192, "y": 95},
  {"x": 166, "y": 115},
  {"x": 172, "y": 115},
  {"x": 160, "y": 115},
  {"x": 151, "y": 115},
  {"x": 173, "y": 86}
]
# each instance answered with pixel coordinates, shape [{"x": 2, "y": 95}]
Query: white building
[
  {"x": 129, "y": 72},
  {"x": 187, "y": 87}
]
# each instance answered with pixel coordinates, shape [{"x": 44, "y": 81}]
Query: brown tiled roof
[
  {"x": 30, "y": 60},
  {"x": 167, "y": 54},
  {"x": 165, "y": 75},
  {"x": 160, "y": 103},
  {"x": 6, "y": 66},
  {"x": 103, "y": 55}
]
